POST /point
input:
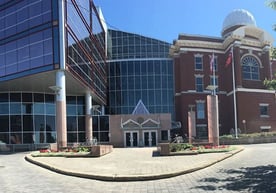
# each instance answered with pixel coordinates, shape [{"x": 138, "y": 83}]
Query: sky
[{"x": 166, "y": 19}]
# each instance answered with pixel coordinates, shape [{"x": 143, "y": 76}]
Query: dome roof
[{"x": 238, "y": 17}]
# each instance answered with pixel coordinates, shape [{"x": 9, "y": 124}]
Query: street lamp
[{"x": 56, "y": 89}]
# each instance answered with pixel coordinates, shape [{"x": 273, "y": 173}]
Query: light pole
[{"x": 244, "y": 125}]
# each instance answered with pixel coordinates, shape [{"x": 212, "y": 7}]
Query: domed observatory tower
[
  {"x": 250, "y": 65},
  {"x": 237, "y": 18}
]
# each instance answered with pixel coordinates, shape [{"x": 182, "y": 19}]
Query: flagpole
[{"x": 234, "y": 94}]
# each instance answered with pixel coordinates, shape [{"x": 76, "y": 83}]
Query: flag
[
  {"x": 212, "y": 61},
  {"x": 229, "y": 59}
]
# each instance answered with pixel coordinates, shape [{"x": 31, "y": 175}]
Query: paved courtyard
[
  {"x": 252, "y": 170},
  {"x": 125, "y": 164}
]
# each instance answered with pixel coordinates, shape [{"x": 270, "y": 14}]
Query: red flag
[{"x": 229, "y": 59}]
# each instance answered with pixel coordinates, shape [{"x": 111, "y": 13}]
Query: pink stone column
[
  {"x": 61, "y": 122},
  {"x": 213, "y": 121},
  {"x": 191, "y": 125},
  {"x": 88, "y": 117},
  {"x": 61, "y": 125}
]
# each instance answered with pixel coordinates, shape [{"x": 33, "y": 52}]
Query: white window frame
[
  {"x": 195, "y": 63},
  {"x": 202, "y": 77},
  {"x": 264, "y": 105},
  {"x": 200, "y": 113}
]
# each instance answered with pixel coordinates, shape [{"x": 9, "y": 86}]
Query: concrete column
[
  {"x": 213, "y": 119},
  {"x": 88, "y": 117},
  {"x": 60, "y": 88},
  {"x": 191, "y": 125},
  {"x": 61, "y": 125}
]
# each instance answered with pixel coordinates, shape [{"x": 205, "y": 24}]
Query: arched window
[{"x": 250, "y": 68}]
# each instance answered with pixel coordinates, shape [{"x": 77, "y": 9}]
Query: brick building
[{"x": 244, "y": 103}]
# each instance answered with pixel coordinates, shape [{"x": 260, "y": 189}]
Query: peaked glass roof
[{"x": 140, "y": 109}]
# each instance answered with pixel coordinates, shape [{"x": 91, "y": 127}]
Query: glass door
[
  {"x": 135, "y": 139},
  {"x": 150, "y": 138},
  {"x": 153, "y": 138},
  {"x": 127, "y": 139},
  {"x": 146, "y": 139},
  {"x": 131, "y": 139}
]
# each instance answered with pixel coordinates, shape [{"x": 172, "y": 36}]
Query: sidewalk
[{"x": 130, "y": 164}]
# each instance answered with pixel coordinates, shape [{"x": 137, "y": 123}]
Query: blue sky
[{"x": 165, "y": 19}]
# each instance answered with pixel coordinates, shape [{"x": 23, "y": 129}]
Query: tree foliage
[
  {"x": 273, "y": 53},
  {"x": 270, "y": 84},
  {"x": 272, "y": 4}
]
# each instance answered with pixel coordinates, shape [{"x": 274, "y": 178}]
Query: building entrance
[
  {"x": 131, "y": 139},
  {"x": 150, "y": 138}
]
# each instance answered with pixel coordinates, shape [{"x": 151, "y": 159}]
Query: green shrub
[
  {"x": 174, "y": 147},
  {"x": 249, "y": 135},
  {"x": 83, "y": 149}
]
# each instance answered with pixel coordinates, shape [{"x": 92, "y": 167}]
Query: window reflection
[
  {"x": 26, "y": 14},
  {"x": 101, "y": 128},
  {"x": 35, "y": 123},
  {"x": 29, "y": 119},
  {"x": 29, "y": 52},
  {"x": 16, "y": 123},
  {"x": 139, "y": 69}
]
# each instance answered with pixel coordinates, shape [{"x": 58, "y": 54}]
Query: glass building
[
  {"x": 139, "y": 69},
  {"x": 52, "y": 70}
]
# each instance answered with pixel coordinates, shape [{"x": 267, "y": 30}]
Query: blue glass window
[
  {"x": 23, "y": 16},
  {"x": 29, "y": 52},
  {"x": 4, "y": 108},
  {"x": 15, "y": 108},
  {"x": 39, "y": 108}
]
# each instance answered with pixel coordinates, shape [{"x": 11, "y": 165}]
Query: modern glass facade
[
  {"x": 27, "y": 118},
  {"x": 101, "y": 128},
  {"x": 86, "y": 46},
  {"x": 27, "y": 37},
  {"x": 30, "y": 118},
  {"x": 139, "y": 68},
  {"x": 30, "y": 57},
  {"x": 75, "y": 106}
]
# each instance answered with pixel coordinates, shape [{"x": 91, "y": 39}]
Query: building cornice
[
  {"x": 255, "y": 90},
  {"x": 247, "y": 36},
  {"x": 249, "y": 90}
]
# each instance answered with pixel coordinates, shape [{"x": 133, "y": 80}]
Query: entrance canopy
[{"x": 140, "y": 123}]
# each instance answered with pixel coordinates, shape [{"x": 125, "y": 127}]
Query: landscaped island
[
  {"x": 166, "y": 149},
  {"x": 79, "y": 151}
]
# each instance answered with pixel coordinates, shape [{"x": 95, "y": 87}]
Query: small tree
[{"x": 273, "y": 53}]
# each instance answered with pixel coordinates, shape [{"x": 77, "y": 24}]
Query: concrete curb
[{"x": 125, "y": 178}]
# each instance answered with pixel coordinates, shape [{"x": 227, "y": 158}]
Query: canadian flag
[{"x": 229, "y": 58}]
